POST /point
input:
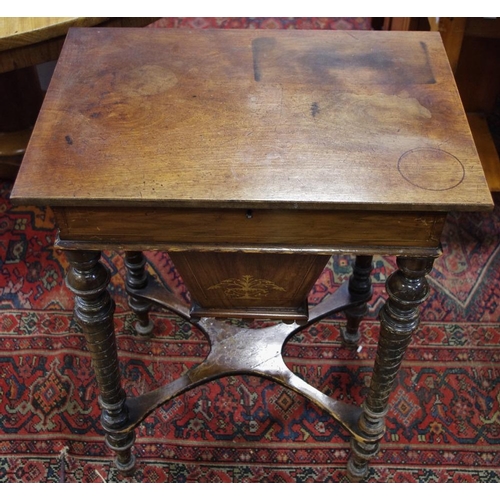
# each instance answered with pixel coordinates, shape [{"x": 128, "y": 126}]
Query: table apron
[{"x": 282, "y": 231}]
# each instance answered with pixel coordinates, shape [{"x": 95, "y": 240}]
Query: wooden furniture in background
[
  {"x": 251, "y": 157},
  {"x": 24, "y": 43},
  {"x": 473, "y": 48},
  {"x": 477, "y": 72}
]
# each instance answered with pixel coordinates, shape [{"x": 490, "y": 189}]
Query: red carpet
[{"x": 443, "y": 424}]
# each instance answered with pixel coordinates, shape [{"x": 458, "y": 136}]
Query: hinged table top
[{"x": 253, "y": 118}]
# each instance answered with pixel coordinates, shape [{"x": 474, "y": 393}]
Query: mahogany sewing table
[{"x": 251, "y": 157}]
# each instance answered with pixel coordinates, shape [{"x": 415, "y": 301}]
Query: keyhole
[{"x": 249, "y": 214}]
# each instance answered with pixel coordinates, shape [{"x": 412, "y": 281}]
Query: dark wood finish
[
  {"x": 407, "y": 289},
  {"x": 252, "y": 156},
  {"x": 88, "y": 279},
  {"x": 360, "y": 288},
  {"x": 137, "y": 279},
  {"x": 240, "y": 350},
  {"x": 478, "y": 78},
  {"x": 20, "y": 101},
  {"x": 405, "y": 23}
]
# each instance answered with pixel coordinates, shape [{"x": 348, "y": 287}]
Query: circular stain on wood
[{"x": 431, "y": 169}]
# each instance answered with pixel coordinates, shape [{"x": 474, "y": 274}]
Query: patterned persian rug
[
  {"x": 317, "y": 23},
  {"x": 444, "y": 418}
]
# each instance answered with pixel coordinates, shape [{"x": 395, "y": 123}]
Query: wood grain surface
[
  {"x": 27, "y": 41},
  {"x": 174, "y": 227},
  {"x": 253, "y": 119},
  {"x": 22, "y": 31}
]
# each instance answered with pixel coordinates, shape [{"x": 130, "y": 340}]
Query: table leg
[
  {"x": 407, "y": 289},
  {"x": 360, "y": 288},
  {"x": 88, "y": 279},
  {"x": 137, "y": 279}
]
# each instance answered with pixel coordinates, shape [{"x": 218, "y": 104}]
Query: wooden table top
[
  {"x": 28, "y": 41},
  {"x": 249, "y": 118}
]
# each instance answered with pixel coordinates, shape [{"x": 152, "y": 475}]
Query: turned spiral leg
[
  {"x": 88, "y": 279},
  {"x": 137, "y": 279},
  {"x": 407, "y": 289},
  {"x": 360, "y": 288}
]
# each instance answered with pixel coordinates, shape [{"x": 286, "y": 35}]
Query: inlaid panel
[{"x": 249, "y": 285}]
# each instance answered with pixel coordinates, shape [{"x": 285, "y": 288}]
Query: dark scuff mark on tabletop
[
  {"x": 260, "y": 47},
  {"x": 314, "y": 109},
  {"x": 69, "y": 140},
  {"x": 431, "y": 79}
]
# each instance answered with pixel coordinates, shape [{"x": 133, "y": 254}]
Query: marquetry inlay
[{"x": 246, "y": 287}]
